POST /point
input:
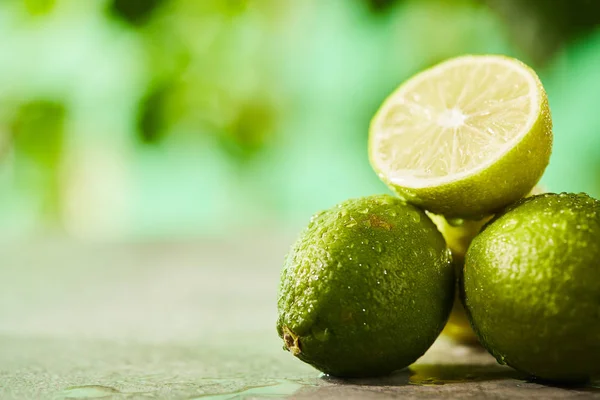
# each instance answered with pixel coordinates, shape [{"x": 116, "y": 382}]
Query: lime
[
  {"x": 532, "y": 287},
  {"x": 458, "y": 235},
  {"x": 366, "y": 289},
  {"x": 464, "y": 138}
]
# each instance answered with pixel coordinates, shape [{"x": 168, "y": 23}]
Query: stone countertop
[{"x": 190, "y": 320}]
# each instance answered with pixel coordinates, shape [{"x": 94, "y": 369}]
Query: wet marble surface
[{"x": 190, "y": 321}]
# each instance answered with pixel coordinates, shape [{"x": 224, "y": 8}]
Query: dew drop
[
  {"x": 510, "y": 225},
  {"x": 415, "y": 216},
  {"x": 456, "y": 221},
  {"x": 320, "y": 334},
  {"x": 89, "y": 392}
]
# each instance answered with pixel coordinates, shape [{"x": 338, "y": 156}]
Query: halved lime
[{"x": 464, "y": 138}]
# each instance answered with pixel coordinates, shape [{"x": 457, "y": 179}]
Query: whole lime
[
  {"x": 459, "y": 234},
  {"x": 366, "y": 289},
  {"x": 532, "y": 287}
]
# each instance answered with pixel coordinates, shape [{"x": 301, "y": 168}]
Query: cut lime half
[{"x": 465, "y": 137}]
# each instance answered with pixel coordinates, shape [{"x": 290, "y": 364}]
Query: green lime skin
[
  {"x": 531, "y": 287},
  {"x": 366, "y": 289}
]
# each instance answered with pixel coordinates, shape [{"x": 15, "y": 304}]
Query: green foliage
[
  {"x": 260, "y": 106},
  {"x": 134, "y": 12},
  {"x": 37, "y": 130},
  {"x": 39, "y": 7}
]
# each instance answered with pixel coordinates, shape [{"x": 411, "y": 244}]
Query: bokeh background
[{"x": 166, "y": 119}]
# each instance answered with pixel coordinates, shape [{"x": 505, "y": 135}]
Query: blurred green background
[{"x": 135, "y": 119}]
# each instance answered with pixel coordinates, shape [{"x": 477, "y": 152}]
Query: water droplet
[
  {"x": 320, "y": 334},
  {"x": 378, "y": 282},
  {"x": 510, "y": 225},
  {"x": 409, "y": 193},
  {"x": 89, "y": 392},
  {"x": 385, "y": 271},
  {"x": 455, "y": 221},
  {"x": 364, "y": 310},
  {"x": 415, "y": 216},
  {"x": 283, "y": 389}
]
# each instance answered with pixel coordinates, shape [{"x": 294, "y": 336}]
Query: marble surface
[{"x": 190, "y": 320}]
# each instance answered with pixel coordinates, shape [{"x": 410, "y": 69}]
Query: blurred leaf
[
  {"x": 134, "y": 12},
  {"x": 541, "y": 27},
  {"x": 250, "y": 130},
  {"x": 152, "y": 123},
  {"x": 381, "y": 6},
  {"x": 39, "y": 7},
  {"x": 38, "y": 132}
]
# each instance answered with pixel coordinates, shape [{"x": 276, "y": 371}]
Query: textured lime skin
[
  {"x": 532, "y": 287},
  {"x": 366, "y": 289},
  {"x": 489, "y": 190}
]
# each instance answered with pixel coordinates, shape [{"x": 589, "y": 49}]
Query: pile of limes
[{"x": 370, "y": 284}]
